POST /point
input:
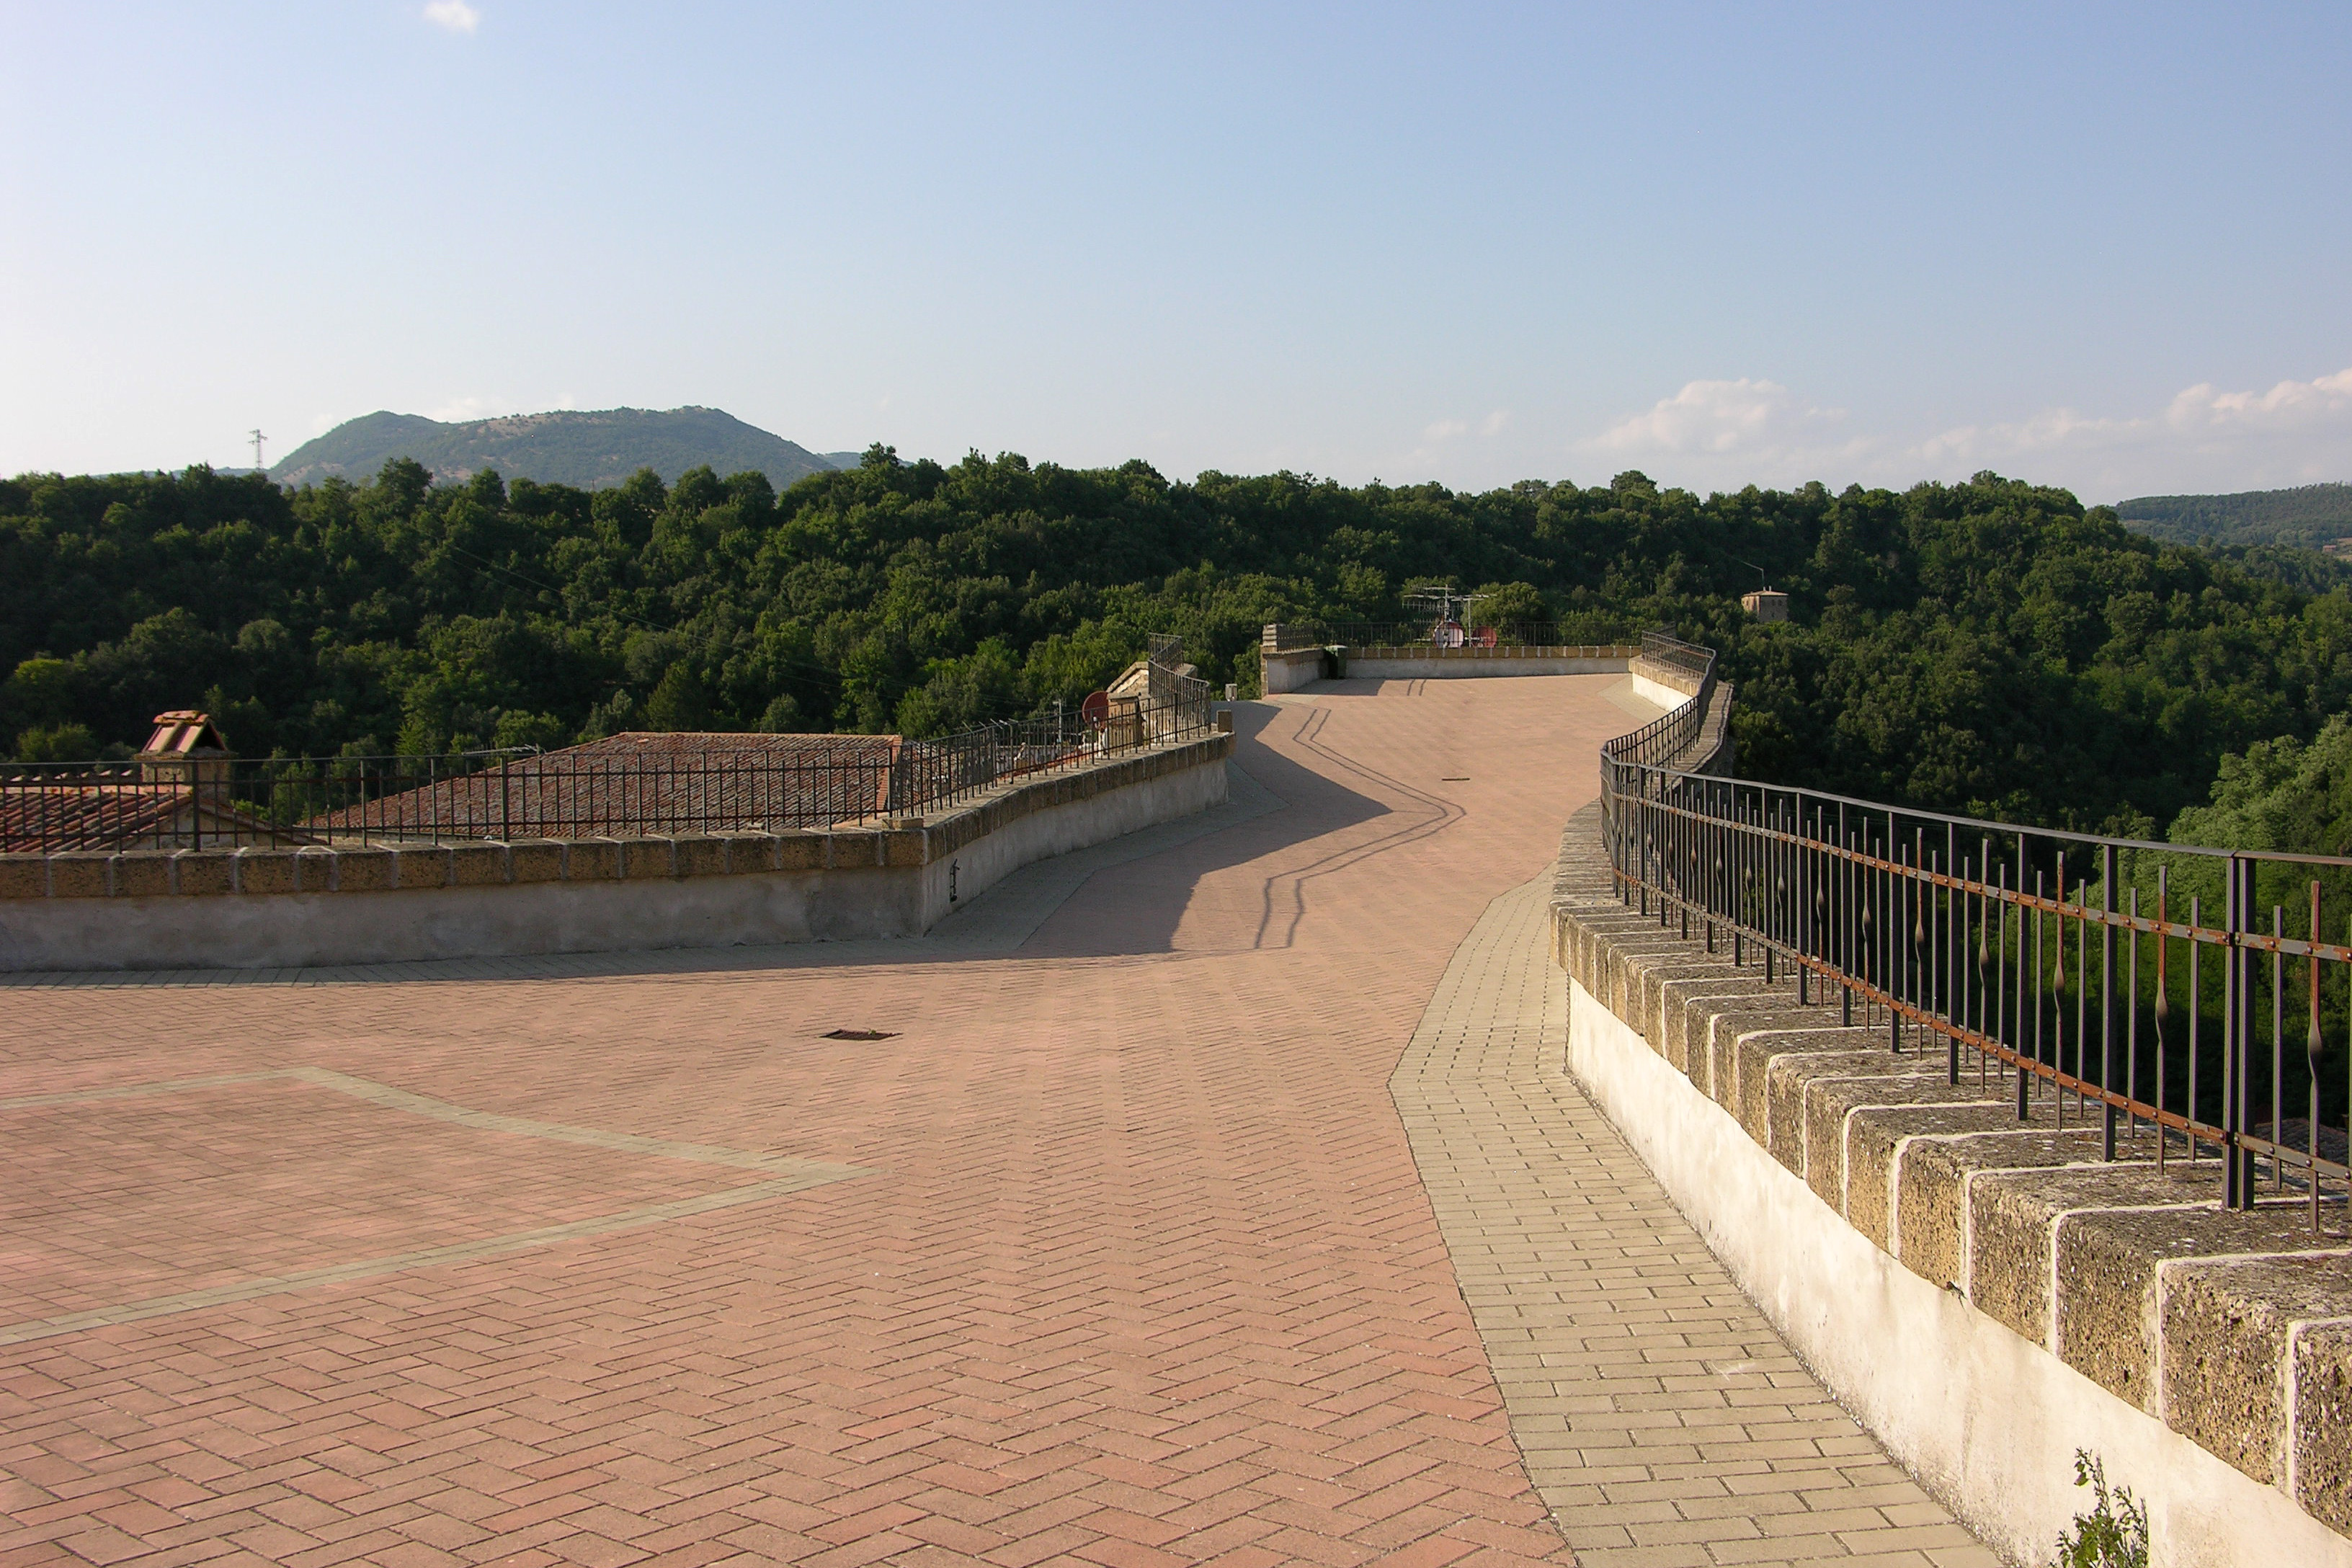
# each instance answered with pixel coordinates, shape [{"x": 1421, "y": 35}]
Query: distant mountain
[
  {"x": 568, "y": 447},
  {"x": 2309, "y": 516}
]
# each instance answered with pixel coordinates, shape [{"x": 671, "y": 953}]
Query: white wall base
[
  {"x": 1289, "y": 670},
  {"x": 294, "y": 931},
  {"x": 987, "y": 860},
  {"x": 1986, "y": 1420},
  {"x": 1658, "y": 691}
]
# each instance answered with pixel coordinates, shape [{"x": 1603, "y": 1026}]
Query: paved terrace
[{"x": 1118, "y": 1251}]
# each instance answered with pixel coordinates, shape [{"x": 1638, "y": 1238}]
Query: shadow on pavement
[
  {"x": 1124, "y": 897},
  {"x": 1138, "y": 910}
]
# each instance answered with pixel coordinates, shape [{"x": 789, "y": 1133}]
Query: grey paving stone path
[{"x": 1661, "y": 1417}]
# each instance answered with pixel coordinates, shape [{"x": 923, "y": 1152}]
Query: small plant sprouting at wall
[{"x": 2113, "y": 1534}]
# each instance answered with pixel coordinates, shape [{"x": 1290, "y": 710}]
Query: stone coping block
[
  {"x": 644, "y": 856},
  {"x": 204, "y": 872},
  {"x": 142, "y": 873},
  {"x": 2232, "y": 1328},
  {"x": 79, "y": 875},
  {"x": 267, "y": 871},
  {"x": 536, "y": 860},
  {"x": 420, "y": 866},
  {"x": 372, "y": 867}
]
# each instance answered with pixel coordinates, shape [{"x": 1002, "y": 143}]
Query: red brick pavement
[{"x": 1141, "y": 1274}]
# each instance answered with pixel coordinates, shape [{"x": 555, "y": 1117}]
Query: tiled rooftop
[{"x": 642, "y": 783}]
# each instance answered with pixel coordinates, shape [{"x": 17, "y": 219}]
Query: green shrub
[
  {"x": 2113, "y": 1534},
  {"x": 57, "y": 743}
]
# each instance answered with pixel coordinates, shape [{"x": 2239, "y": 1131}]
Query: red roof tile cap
[{"x": 184, "y": 731}]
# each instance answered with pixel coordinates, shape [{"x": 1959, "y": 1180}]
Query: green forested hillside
[
  {"x": 1990, "y": 646},
  {"x": 588, "y": 448},
  {"x": 2305, "y": 517}
]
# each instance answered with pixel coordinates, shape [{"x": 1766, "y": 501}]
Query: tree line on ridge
[{"x": 1993, "y": 648}]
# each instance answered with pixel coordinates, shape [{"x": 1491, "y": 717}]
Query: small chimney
[{"x": 188, "y": 748}]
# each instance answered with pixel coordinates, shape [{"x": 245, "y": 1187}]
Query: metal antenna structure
[
  {"x": 257, "y": 439},
  {"x": 1444, "y": 602}
]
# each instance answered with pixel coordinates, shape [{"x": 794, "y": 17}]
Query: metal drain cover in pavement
[{"x": 861, "y": 1034}]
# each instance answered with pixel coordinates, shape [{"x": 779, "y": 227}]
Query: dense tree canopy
[
  {"x": 2308, "y": 516},
  {"x": 1992, "y": 646},
  {"x": 2280, "y": 794}
]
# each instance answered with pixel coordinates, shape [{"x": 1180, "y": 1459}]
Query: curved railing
[
  {"x": 2188, "y": 999},
  {"x": 1663, "y": 739}
]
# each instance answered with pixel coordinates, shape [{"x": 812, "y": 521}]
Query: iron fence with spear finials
[
  {"x": 2187, "y": 1004},
  {"x": 639, "y": 782}
]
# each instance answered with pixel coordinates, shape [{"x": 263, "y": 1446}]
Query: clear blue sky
[{"x": 2109, "y": 248}]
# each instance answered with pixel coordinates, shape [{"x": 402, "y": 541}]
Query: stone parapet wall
[
  {"x": 376, "y": 867},
  {"x": 2230, "y": 1331},
  {"x": 1666, "y": 675},
  {"x": 1290, "y": 669},
  {"x": 1419, "y": 662},
  {"x": 360, "y": 903},
  {"x": 257, "y": 871},
  {"x": 1613, "y": 655},
  {"x": 1710, "y": 750}
]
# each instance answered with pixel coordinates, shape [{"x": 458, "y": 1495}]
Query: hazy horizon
[
  {"x": 279, "y": 462},
  {"x": 2101, "y": 249}
]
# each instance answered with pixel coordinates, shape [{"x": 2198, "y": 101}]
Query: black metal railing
[
  {"x": 625, "y": 784},
  {"x": 925, "y": 775},
  {"x": 1431, "y": 632},
  {"x": 1664, "y": 739},
  {"x": 2186, "y": 1002}
]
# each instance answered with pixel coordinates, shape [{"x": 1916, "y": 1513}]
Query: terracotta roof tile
[
  {"x": 642, "y": 781},
  {"x": 46, "y": 815},
  {"x": 184, "y": 732}
]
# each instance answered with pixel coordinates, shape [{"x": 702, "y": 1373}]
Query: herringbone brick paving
[{"x": 1139, "y": 1270}]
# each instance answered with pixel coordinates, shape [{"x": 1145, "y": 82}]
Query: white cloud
[
  {"x": 1453, "y": 430},
  {"x": 458, "y": 410},
  {"x": 1725, "y": 434},
  {"x": 1438, "y": 446},
  {"x": 2291, "y": 405},
  {"x": 1732, "y": 433},
  {"x": 1717, "y": 416},
  {"x": 2053, "y": 429},
  {"x": 456, "y": 15},
  {"x": 2297, "y": 432}
]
